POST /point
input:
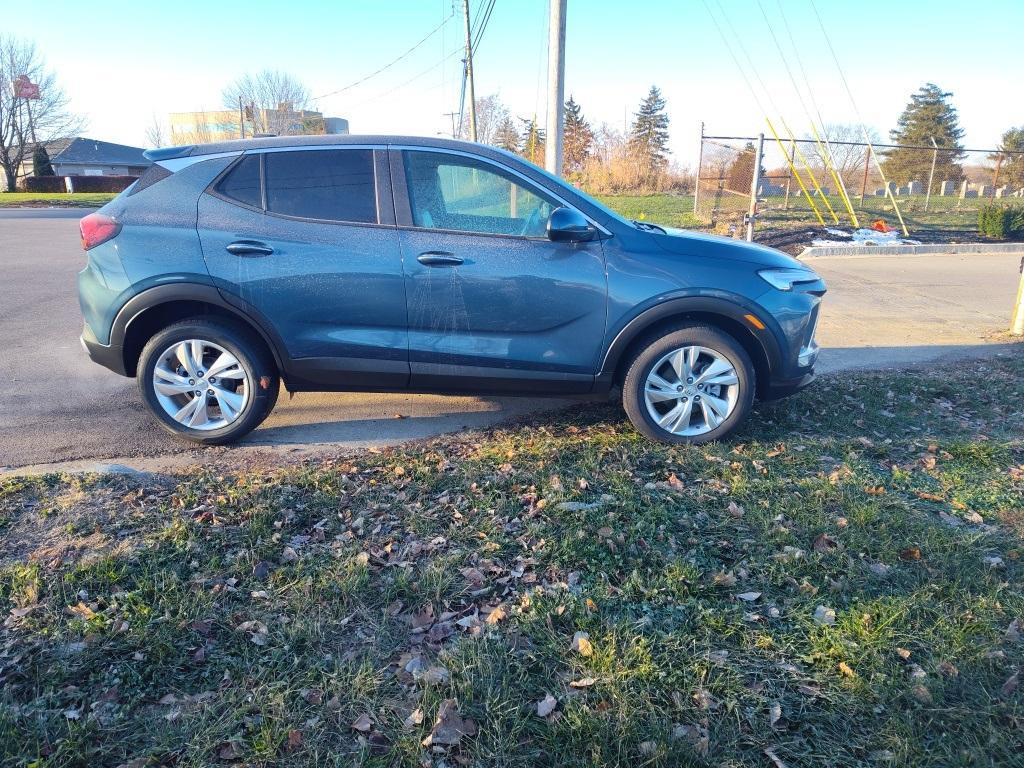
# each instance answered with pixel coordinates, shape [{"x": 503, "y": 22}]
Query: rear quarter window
[
  {"x": 242, "y": 182},
  {"x": 329, "y": 185}
]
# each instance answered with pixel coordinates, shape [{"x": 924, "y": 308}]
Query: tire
[
  {"x": 707, "y": 418},
  {"x": 234, "y": 405}
]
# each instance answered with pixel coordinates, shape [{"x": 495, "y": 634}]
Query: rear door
[
  {"x": 493, "y": 304},
  {"x": 306, "y": 237}
]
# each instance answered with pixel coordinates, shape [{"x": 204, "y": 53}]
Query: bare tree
[
  {"x": 199, "y": 133},
  {"x": 268, "y": 97},
  {"x": 491, "y": 114},
  {"x": 848, "y": 159},
  {"x": 155, "y": 133},
  {"x": 24, "y": 122}
]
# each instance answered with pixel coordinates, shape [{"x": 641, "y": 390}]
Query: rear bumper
[{"x": 108, "y": 356}]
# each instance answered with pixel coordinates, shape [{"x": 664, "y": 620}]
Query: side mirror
[{"x": 566, "y": 225}]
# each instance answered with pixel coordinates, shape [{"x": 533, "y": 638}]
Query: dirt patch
[{"x": 94, "y": 517}]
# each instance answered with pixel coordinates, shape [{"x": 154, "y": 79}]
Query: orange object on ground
[{"x": 879, "y": 225}]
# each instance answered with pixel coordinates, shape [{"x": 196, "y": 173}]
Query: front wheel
[
  {"x": 690, "y": 385},
  {"x": 209, "y": 381}
]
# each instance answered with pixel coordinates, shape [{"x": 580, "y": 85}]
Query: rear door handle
[
  {"x": 438, "y": 259},
  {"x": 248, "y": 248}
]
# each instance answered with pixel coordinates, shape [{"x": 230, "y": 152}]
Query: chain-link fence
[{"x": 805, "y": 183}]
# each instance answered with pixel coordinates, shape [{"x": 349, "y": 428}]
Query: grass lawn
[
  {"x": 77, "y": 199},
  {"x": 842, "y": 584},
  {"x": 670, "y": 210}
]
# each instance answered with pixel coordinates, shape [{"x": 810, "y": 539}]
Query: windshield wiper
[{"x": 647, "y": 226}]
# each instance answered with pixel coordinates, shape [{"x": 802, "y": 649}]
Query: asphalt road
[{"x": 57, "y": 406}]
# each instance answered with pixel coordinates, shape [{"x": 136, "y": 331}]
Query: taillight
[{"x": 97, "y": 228}]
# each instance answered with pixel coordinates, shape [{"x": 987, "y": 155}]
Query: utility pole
[
  {"x": 755, "y": 183},
  {"x": 931, "y": 173},
  {"x": 556, "y": 87},
  {"x": 451, "y": 115},
  {"x": 241, "y": 119},
  {"x": 700, "y": 162},
  {"x": 469, "y": 72}
]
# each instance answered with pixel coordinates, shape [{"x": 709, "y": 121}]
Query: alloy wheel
[
  {"x": 201, "y": 385},
  {"x": 691, "y": 391}
]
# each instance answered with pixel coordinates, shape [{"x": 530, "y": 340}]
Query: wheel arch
[
  {"x": 727, "y": 316},
  {"x": 156, "y": 308}
]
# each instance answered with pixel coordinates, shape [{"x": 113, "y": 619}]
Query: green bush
[{"x": 1000, "y": 222}]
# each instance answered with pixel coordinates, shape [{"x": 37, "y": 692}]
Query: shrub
[
  {"x": 1000, "y": 222},
  {"x": 80, "y": 183},
  {"x": 44, "y": 184}
]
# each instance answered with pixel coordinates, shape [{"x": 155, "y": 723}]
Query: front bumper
[
  {"x": 779, "y": 388},
  {"x": 108, "y": 356}
]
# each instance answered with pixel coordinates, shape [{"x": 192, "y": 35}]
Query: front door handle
[
  {"x": 438, "y": 259},
  {"x": 248, "y": 248}
]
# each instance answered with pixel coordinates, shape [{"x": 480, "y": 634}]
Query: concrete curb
[{"x": 953, "y": 249}]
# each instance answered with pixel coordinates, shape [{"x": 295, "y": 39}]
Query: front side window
[
  {"x": 331, "y": 185},
  {"x": 466, "y": 195}
]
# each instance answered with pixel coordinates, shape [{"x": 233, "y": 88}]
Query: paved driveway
[{"x": 56, "y": 406}]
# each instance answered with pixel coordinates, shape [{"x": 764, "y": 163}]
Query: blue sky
[{"x": 121, "y": 62}]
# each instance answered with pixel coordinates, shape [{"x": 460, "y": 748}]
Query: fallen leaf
[
  {"x": 921, "y": 693},
  {"x": 449, "y": 727},
  {"x": 584, "y": 682},
  {"x": 748, "y": 597},
  {"x": 824, "y": 543},
  {"x": 289, "y": 555},
  {"x": 911, "y": 553},
  {"x": 846, "y": 669},
  {"x": 774, "y": 713},
  {"x": 1013, "y": 632},
  {"x": 294, "y": 739},
  {"x": 363, "y": 723},
  {"x": 1010, "y": 685},
  {"x": 776, "y": 761},
  {"x": 736, "y": 510},
  {"x": 648, "y": 748},
  {"x": 824, "y": 615},
  {"x": 415, "y": 718},
  {"x": 546, "y": 705},
  {"x": 496, "y": 615},
  {"x": 81, "y": 610},
  {"x": 581, "y": 644}
]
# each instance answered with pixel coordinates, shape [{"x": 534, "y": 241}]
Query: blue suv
[{"x": 384, "y": 263}]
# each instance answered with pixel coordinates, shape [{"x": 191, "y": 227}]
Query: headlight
[{"x": 785, "y": 279}]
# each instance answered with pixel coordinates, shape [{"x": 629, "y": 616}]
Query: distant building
[
  {"x": 80, "y": 156},
  {"x": 226, "y": 124}
]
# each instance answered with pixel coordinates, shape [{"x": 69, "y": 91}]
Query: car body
[{"x": 381, "y": 263}]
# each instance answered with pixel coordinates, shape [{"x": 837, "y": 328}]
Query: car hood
[{"x": 685, "y": 242}]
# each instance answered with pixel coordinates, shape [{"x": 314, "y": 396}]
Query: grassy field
[
  {"x": 670, "y": 210},
  {"x": 77, "y": 199},
  {"x": 841, "y": 584}
]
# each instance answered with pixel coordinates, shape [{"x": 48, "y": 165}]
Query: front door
[
  {"x": 492, "y": 303},
  {"x": 314, "y": 249}
]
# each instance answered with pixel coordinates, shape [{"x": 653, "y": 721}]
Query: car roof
[{"x": 237, "y": 145}]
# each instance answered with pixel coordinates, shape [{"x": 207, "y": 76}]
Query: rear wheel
[
  {"x": 690, "y": 385},
  {"x": 209, "y": 381}
]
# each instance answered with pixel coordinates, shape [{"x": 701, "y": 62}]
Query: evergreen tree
[
  {"x": 740, "y": 172},
  {"x": 578, "y": 140},
  {"x": 41, "y": 165},
  {"x": 1011, "y": 168},
  {"x": 929, "y": 115},
  {"x": 648, "y": 138},
  {"x": 532, "y": 146},
  {"x": 506, "y": 136}
]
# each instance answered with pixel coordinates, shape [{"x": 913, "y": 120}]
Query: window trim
[
  {"x": 381, "y": 184},
  {"x": 403, "y": 206}
]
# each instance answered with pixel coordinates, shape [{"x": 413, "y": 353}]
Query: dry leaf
[
  {"x": 824, "y": 615},
  {"x": 546, "y": 705},
  {"x": 581, "y": 644},
  {"x": 496, "y": 615},
  {"x": 584, "y": 682},
  {"x": 363, "y": 723},
  {"x": 776, "y": 761},
  {"x": 289, "y": 555},
  {"x": 824, "y": 543},
  {"x": 736, "y": 510},
  {"x": 846, "y": 669},
  {"x": 415, "y": 718},
  {"x": 748, "y": 597},
  {"x": 911, "y": 553},
  {"x": 1010, "y": 685},
  {"x": 774, "y": 713},
  {"x": 449, "y": 727}
]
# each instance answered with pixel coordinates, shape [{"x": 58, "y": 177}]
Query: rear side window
[
  {"x": 149, "y": 177},
  {"x": 332, "y": 185},
  {"x": 243, "y": 182}
]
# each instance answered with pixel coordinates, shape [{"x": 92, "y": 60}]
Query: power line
[
  {"x": 410, "y": 80},
  {"x": 483, "y": 24},
  {"x": 388, "y": 65}
]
